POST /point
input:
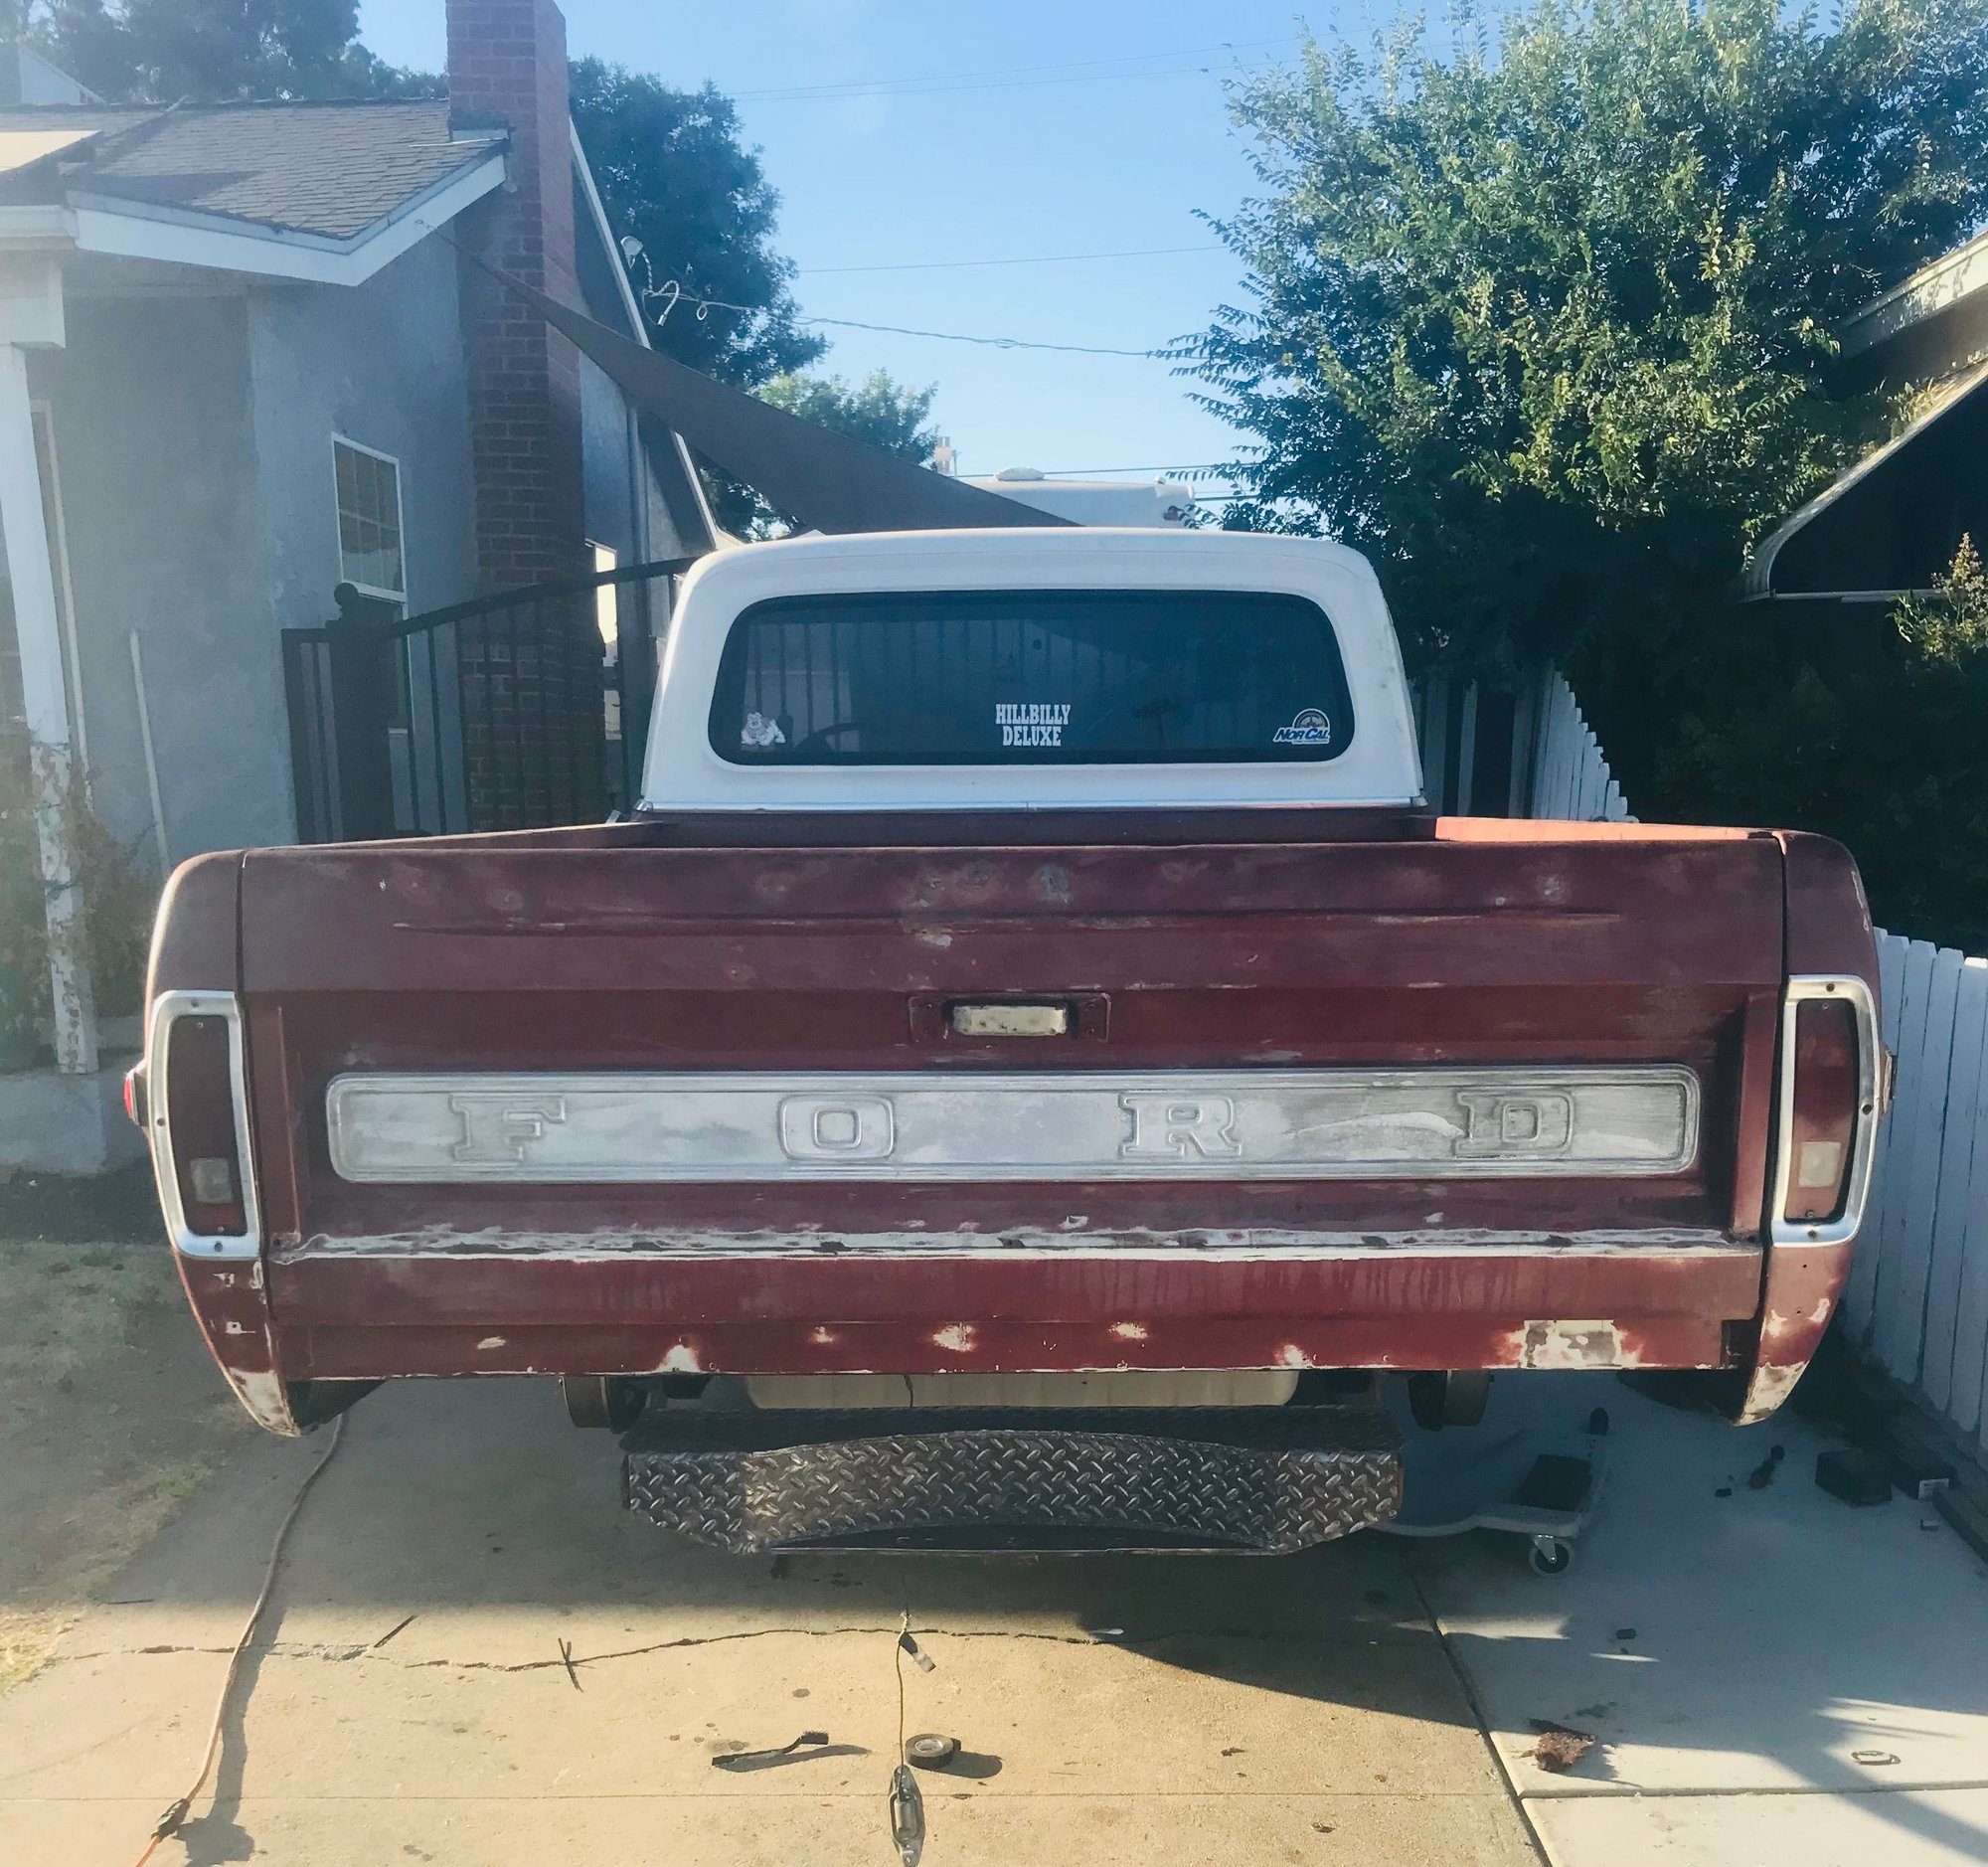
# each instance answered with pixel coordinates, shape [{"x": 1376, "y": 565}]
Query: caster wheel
[
  {"x": 1549, "y": 1556},
  {"x": 603, "y": 1399}
]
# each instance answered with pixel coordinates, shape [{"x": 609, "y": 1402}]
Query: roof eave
[
  {"x": 111, "y": 225},
  {"x": 1933, "y": 288}
]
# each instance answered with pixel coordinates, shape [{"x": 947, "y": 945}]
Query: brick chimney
[{"x": 531, "y": 675}]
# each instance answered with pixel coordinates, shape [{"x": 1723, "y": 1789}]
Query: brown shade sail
[{"x": 823, "y": 480}]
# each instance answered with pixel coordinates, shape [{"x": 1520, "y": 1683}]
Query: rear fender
[
  {"x": 196, "y": 947},
  {"x": 1828, "y": 934}
]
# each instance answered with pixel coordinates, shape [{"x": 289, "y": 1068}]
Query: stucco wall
[
  {"x": 156, "y": 461},
  {"x": 194, "y": 442},
  {"x": 382, "y": 364}
]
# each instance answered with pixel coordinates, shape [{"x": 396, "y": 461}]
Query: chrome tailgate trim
[{"x": 1563, "y": 1123}]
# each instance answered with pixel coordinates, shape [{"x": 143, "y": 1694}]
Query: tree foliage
[
  {"x": 674, "y": 174},
  {"x": 216, "y": 51},
  {"x": 1546, "y": 329},
  {"x": 884, "y": 413}
]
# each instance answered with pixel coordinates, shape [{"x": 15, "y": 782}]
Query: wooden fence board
[
  {"x": 1901, "y": 1310},
  {"x": 1888, "y": 1234},
  {"x": 1954, "y": 1192},
  {"x": 1968, "y": 1405},
  {"x": 1858, "y": 1291}
]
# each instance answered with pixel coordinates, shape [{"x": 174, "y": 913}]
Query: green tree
[
  {"x": 216, "y": 51},
  {"x": 879, "y": 410},
  {"x": 674, "y": 174},
  {"x": 1546, "y": 330}
]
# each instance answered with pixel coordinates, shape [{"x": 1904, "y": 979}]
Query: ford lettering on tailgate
[{"x": 1298, "y": 1124}]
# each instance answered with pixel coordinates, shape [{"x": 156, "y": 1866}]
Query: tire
[
  {"x": 612, "y": 1400},
  {"x": 1455, "y": 1398}
]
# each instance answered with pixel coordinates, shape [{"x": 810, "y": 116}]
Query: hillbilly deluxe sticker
[
  {"x": 1311, "y": 728},
  {"x": 1031, "y": 723}
]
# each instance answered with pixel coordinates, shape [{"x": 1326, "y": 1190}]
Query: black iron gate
[{"x": 524, "y": 708}]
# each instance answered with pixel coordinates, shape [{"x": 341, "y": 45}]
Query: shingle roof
[{"x": 332, "y": 169}]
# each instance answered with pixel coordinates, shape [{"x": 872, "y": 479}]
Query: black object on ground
[
  {"x": 1853, "y": 1474},
  {"x": 1763, "y": 1475},
  {"x": 1916, "y": 1468},
  {"x": 931, "y": 1749}
]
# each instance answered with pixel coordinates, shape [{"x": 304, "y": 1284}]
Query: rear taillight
[
  {"x": 200, "y": 1110},
  {"x": 1828, "y": 1108},
  {"x": 190, "y": 1096},
  {"x": 1824, "y": 1109}
]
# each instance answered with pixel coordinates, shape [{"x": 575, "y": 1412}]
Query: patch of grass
[
  {"x": 106, "y": 1208},
  {"x": 111, "y": 1415}
]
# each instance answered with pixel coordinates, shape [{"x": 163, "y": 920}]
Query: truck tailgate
[{"x": 494, "y": 985}]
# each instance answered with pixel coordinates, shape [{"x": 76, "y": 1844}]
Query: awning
[
  {"x": 823, "y": 480},
  {"x": 1757, "y": 582}
]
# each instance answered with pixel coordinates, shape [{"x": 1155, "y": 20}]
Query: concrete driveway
[{"x": 411, "y": 1696}]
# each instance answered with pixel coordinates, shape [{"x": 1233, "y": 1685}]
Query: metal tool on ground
[
  {"x": 745, "y": 1759},
  {"x": 907, "y": 1801}
]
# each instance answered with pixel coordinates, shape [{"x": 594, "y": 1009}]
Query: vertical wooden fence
[
  {"x": 1524, "y": 754},
  {"x": 1571, "y": 777},
  {"x": 1918, "y": 1298}
]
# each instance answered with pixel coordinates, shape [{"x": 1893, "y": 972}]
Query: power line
[
  {"x": 673, "y": 295},
  {"x": 995, "y": 343},
  {"x": 1078, "y": 71},
  {"x": 1039, "y": 259}
]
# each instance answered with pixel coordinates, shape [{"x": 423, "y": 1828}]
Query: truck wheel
[
  {"x": 1455, "y": 1398},
  {"x": 603, "y": 1399}
]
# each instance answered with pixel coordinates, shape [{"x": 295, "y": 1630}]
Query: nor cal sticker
[
  {"x": 1311, "y": 728},
  {"x": 1031, "y": 723},
  {"x": 760, "y": 731}
]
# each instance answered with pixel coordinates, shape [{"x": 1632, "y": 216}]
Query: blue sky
[{"x": 960, "y": 130}]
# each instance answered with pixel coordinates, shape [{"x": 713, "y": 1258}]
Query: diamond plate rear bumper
[{"x": 1270, "y": 1480}]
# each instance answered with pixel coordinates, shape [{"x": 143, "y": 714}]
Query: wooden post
[{"x": 31, "y": 313}]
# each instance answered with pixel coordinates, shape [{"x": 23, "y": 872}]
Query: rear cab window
[{"x": 1035, "y": 677}]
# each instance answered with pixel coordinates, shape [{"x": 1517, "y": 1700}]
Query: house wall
[
  {"x": 193, "y": 443},
  {"x": 381, "y": 364},
  {"x": 162, "y": 513}
]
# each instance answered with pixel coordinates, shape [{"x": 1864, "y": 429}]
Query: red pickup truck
[{"x": 1029, "y": 1066}]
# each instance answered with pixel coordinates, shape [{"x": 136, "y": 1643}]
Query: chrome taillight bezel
[
  {"x": 168, "y": 1008},
  {"x": 1834, "y": 988}
]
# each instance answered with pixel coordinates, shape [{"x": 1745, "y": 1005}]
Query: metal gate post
[{"x": 362, "y": 698}]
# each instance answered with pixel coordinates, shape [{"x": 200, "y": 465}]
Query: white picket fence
[
  {"x": 1571, "y": 777},
  {"x": 1917, "y": 1296}
]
